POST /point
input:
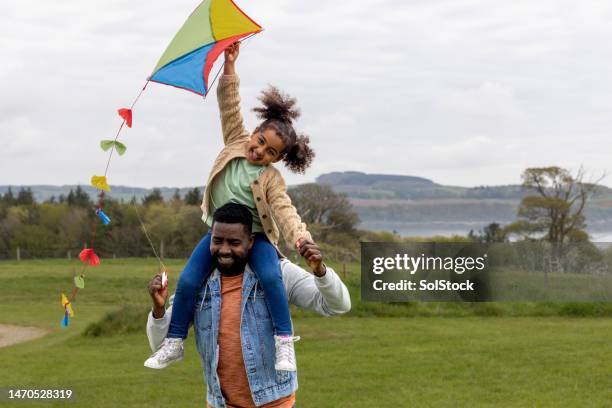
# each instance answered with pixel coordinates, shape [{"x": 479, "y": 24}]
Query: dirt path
[{"x": 10, "y": 334}]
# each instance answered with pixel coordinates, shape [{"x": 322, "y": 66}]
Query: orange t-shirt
[{"x": 231, "y": 370}]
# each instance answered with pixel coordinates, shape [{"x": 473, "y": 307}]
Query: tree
[
  {"x": 176, "y": 201},
  {"x": 554, "y": 210},
  {"x": 25, "y": 197},
  {"x": 78, "y": 198},
  {"x": 154, "y": 197},
  {"x": 70, "y": 198},
  {"x": 191, "y": 229},
  {"x": 193, "y": 197},
  {"x": 319, "y": 204},
  {"x": 177, "y": 195},
  {"x": 8, "y": 198},
  {"x": 490, "y": 234},
  {"x": 81, "y": 198}
]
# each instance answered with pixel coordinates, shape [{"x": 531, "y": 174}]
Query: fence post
[
  {"x": 344, "y": 271},
  {"x": 161, "y": 249},
  {"x": 69, "y": 255},
  {"x": 18, "y": 254}
]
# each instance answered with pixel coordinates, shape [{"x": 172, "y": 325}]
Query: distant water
[
  {"x": 445, "y": 229},
  {"x": 602, "y": 236}
]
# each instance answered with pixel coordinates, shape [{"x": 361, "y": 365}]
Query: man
[{"x": 232, "y": 324}]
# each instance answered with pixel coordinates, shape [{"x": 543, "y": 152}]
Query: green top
[{"x": 233, "y": 185}]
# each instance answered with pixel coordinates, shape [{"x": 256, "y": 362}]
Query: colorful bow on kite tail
[{"x": 186, "y": 63}]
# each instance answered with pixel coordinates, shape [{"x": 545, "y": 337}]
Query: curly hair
[{"x": 278, "y": 113}]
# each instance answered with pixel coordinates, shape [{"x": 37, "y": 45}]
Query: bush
[
  {"x": 128, "y": 319},
  {"x": 591, "y": 309}
]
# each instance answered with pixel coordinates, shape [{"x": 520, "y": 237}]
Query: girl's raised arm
[{"x": 228, "y": 96}]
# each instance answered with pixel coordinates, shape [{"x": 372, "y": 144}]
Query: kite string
[
  {"x": 139, "y": 94},
  {"x": 121, "y": 127},
  {"x": 144, "y": 229},
  {"x": 222, "y": 65},
  {"x": 113, "y": 148},
  {"x": 214, "y": 80},
  {"x": 95, "y": 223},
  {"x": 94, "y": 228},
  {"x": 100, "y": 203},
  {"x": 75, "y": 289}
]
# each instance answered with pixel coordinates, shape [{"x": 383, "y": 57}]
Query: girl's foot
[
  {"x": 285, "y": 353},
  {"x": 170, "y": 351}
]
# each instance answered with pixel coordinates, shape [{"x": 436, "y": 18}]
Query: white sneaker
[
  {"x": 285, "y": 353},
  {"x": 170, "y": 351}
]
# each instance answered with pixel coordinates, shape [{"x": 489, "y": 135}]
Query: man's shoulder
[
  {"x": 287, "y": 266},
  {"x": 292, "y": 274}
]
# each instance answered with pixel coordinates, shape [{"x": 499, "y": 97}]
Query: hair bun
[
  {"x": 276, "y": 106},
  {"x": 300, "y": 156}
]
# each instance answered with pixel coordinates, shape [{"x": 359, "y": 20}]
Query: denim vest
[{"x": 257, "y": 337}]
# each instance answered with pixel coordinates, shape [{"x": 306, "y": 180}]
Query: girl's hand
[
  {"x": 313, "y": 256},
  {"x": 231, "y": 54}
]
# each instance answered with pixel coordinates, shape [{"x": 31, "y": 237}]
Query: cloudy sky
[{"x": 465, "y": 92}]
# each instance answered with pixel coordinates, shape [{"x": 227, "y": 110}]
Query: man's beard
[{"x": 236, "y": 268}]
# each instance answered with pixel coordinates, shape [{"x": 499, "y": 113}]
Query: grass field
[{"x": 380, "y": 355}]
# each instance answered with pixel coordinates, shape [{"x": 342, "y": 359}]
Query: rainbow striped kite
[{"x": 212, "y": 27}]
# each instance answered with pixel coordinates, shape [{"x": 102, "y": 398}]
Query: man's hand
[
  {"x": 231, "y": 54},
  {"x": 311, "y": 252},
  {"x": 159, "y": 294}
]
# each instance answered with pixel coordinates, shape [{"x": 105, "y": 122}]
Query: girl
[{"x": 243, "y": 173}]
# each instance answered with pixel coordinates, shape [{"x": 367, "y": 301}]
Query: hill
[
  {"x": 418, "y": 206},
  {"x": 44, "y": 192},
  {"x": 387, "y": 186},
  {"x": 410, "y": 205}
]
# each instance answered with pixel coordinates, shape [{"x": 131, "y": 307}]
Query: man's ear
[{"x": 251, "y": 240}]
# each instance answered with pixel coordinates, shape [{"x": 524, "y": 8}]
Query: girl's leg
[
  {"x": 195, "y": 272},
  {"x": 263, "y": 259}
]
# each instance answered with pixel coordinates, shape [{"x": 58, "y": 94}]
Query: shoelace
[
  {"x": 285, "y": 351},
  {"x": 164, "y": 351}
]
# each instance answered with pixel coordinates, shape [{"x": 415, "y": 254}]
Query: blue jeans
[{"x": 263, "y": 260}]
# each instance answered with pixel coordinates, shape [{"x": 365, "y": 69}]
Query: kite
[
  {"x": 187, "y": 61},
  {"x": 186, "y": 64},
  {"x": 210, "y": 29}
]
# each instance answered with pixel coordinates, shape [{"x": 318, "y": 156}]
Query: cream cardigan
[{"x": 269, "y": 189}]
